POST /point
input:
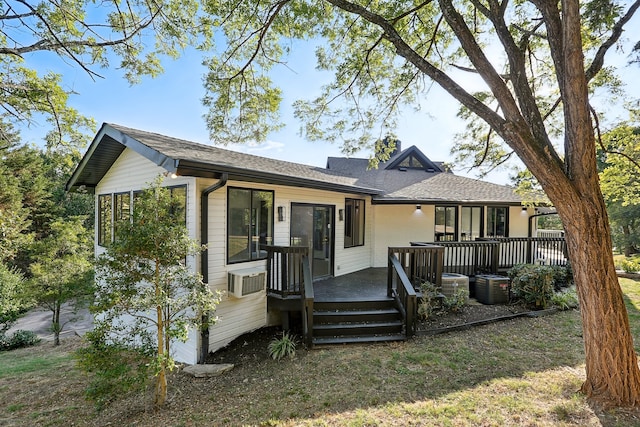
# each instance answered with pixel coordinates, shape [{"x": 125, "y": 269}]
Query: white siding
[
  {"x": 241, "y": 315},
  {"x": 385, "y": 225},
  {"x": 399, "y": 225},
  {"x": 132, "y": 172},
  {"x": 518, "y": 222}
]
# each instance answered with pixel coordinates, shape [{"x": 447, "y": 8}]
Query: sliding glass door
[{"x": 312, "y": 226}]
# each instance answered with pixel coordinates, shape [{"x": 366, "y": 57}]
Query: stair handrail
[
  {"x": 405, "y": 295},
  {"x": 307, "y": 302}
]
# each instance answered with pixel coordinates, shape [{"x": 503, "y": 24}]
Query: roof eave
[
  {"x": 428, "y": 201},
  {"x": 107, "y": 133},
  {"x": 239, "y": 174}
]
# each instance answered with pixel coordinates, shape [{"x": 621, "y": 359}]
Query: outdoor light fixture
[
  {"x": 341, "y": 214},
  {"x": 280, "y": 213},
  {"x": 524, "y": 210},
  {"x": 418, "y": 207}
]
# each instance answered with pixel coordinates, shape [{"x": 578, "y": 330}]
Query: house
[{"x": 241, "y": 205}]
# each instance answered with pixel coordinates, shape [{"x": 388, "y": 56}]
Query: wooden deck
[
  {"x": 381, "y": 304},
  {"x": 364, "y": 285}
]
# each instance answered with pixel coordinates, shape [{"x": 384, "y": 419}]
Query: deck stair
[{"x": 339, "y": 322}]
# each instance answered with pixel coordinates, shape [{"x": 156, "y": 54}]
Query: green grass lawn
[{"x": 522, "y": 372}]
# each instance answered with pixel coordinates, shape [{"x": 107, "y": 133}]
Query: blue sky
[{"x": 170, "y": 104}]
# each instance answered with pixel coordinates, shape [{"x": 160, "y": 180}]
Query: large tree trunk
[{"x": 613, "y": 377}]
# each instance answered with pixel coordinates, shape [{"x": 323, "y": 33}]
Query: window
[
  {"x": 497, "y": 222},
  {"x": 179, "y": 203},
  {"x": 114, "y": 209},
  {"x": 445, "y": 230},
  {"x": 471, "y": 222},
  {"x": 121, "y": 210},
  {"x": 353, "y": 223},
  {"x": 249, "y": 224},
  {"x": 411, "y": 162},
  {"x": 104, "y": 219}
]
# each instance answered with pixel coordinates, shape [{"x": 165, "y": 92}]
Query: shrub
[
  {"x": 114, "y": 368},
  {"x": 456, "y": 302},
  {"x": 532, "y": 284},
  {"x": 12, "y": 302},
  {"x": 566, "y": 299},
  {"x": 430, "y": 301},
  {"x": 629, "y": 265},
  {"x": 562, "y": 276},
  {"x": 18, "y": 339},
  {"x": 281, "y": 347},
  {"x": 433, "y": 301}
]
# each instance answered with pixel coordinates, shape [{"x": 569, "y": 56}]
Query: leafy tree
[
  {"x": 63, "y": 273},
  {"x": 146, "y": 292},
  {"x": 625, "y": 226},
  {"x": 87, "y": 35},
  {"x": 528, "y": 83},
  {"x": 32, "y": 196},
  {"x": 619, "y": 157},
  {"x": 14, "y": 216},
  {"x": 12, "y": 302}
]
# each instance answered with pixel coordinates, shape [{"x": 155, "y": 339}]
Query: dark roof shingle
[{"x": 342, "y": 174}]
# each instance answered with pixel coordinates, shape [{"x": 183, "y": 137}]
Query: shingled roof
[
  {"x": 392, "y": 182},
  {"x": 192, "y": 159},
  {"x": 425, "y": 184}
]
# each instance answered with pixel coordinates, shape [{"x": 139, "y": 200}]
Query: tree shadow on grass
[
  {"x": 520, "y": 364},
  {"x": 480, "y": 364}
]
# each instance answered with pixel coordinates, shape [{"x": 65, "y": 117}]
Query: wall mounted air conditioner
[{"x": 246, "y": 281}]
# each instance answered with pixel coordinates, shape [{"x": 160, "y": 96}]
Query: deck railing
[
  {"x": 420, "y": 263},
  {"x": 531, "y": 250},
  {"x": 408, "y": 268},
  {"x": 285, "y": 274},
  {"x": 468, "y": 258},
  {"x": 494, "y": 255},
  {"x": 405, "y": 295}
]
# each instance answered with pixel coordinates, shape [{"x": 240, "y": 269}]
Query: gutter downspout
[
  {"x": 204, "y": 257},
  {"x": 530, "y": 232}
]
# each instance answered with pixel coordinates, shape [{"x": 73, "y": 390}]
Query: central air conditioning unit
[
  {"x": 453, "y": 281},
  {"x": 247, "y": 281}
]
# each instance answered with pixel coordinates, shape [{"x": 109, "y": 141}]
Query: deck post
[
  {"x": 389, "y": 275},
  {"x": 495, "y": 258},
  {"x": 307, "y": 302}
]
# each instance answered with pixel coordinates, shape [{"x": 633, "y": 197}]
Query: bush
[
  {"x": 430, "y": 301},
  {"x": 566, "y": 299},
  {"x": 532, "y": 284},
  {"x": 433, "y": 301},
  {"x": 562, "y": 276},
  {"x": 456, "y": 302},
  {"x": 18, "y": 339},
  {"x": 115, "y": 369},
  {"x": 629, "y": 266},
  {"x": 281, "y": 347},
  {"x": 12, "y": 302}
]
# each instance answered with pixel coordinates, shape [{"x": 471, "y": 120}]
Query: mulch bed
[{"x": 252, "y": 347}]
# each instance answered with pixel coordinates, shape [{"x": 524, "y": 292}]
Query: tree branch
[
  {"x": 594, "y": 114},
  {"x": 616, "y": 32},
  {"x": 272, "y": 14},
  {"x": 437, "y": 75}
]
